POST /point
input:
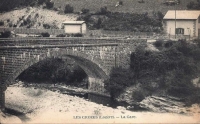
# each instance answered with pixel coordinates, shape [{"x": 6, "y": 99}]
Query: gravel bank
[{"x": 44, "y": 106}]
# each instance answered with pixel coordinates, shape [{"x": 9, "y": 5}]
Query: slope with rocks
[{"x": 35, "y": 17}]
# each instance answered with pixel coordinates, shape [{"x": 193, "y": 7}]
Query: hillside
[
  {"x": 149, "y": 14},
  {"x": 33, "y": 17},
  {"x": 132, "y": 6}
]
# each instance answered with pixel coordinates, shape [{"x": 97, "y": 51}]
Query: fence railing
[
  {"x": 33, "y": 31},
  {"x": 98, "y": 33},
  {"x": 118, "y": 33}
]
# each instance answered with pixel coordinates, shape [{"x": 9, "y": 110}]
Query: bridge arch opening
[
  {"x": 54, "y": 71},
  {"x": 82, "y": 66},
  {"x": 96, "y": 74},
  {"x": 24, "y": 58}
]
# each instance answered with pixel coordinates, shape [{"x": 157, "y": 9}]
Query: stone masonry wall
[{"x": 96, "y": 56}]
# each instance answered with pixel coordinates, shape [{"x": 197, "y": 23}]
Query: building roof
[
  {"x": 182, "y": 14},
  {"x": 74, "y": 22}
]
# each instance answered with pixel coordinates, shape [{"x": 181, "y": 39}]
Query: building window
[{"x": 179, "y": 31}]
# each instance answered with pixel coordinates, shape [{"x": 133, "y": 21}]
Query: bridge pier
[
  {"x": 2, "y": 99},
  {"x": 3, "y": 88},
  {"x": 96, "y": 86}
]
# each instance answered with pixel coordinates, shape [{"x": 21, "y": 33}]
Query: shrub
[
  {"x": 78, "y": 75},
  {"x": 119, "y": 79},
  {"x": 180, "y": 86},
  {"x": 41, "y": 1},
  {"x": 158, "y": 43},
  {"x": 192, "y": 5},
  {"x": 68, "y": 9},
  {"x": 160, "y": 15},
  {"x": 103, "y": 11},
  {"x": 49, "y": 4},
  {"x": 130, "y": 22},
  {"x": 194, "y": 98},
  {"x": 195, "y": 54},
  {"x": 5, "y": 34},
  {"x": 168, "y": 44},
  {"x": 174, "y": 67},
  {"x": 53, "y": 70},
  {"x": 84, "y": 11},
  {"x": 1, "y": 23},
  {"x": 77, "y": 35},
  {"x": 169, "y": 71},
  {"x": 61, "y": 35},
  {"x": 85, "y": 17},
  {"x": 46, "y": 26},
  {"x": 184, "y": 47},
  {"x": 46, "y": 34},
  {"x": 138, "y": 96},
  {"x": 10, "y": 24},
  {"x": 197, "y": 41},
  {"x": 141, "y": 1},
  {"x": 120, "y": 2}
]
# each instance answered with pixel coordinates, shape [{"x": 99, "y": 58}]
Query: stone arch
[{"x": 90, "y": 65}]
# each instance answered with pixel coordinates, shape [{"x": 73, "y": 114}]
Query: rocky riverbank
[{"x": 34, "y": 105}]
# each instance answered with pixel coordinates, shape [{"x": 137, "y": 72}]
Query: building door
[
  {"x": 180, "y": 33},
  {"x": 198, "y": 33}
]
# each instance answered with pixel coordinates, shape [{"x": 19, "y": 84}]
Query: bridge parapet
[{"x": 63, "y": 41}]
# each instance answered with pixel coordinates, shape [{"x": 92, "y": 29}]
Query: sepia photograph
[{"x": 99, "y": 61}]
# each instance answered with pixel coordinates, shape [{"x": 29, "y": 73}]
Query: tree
[
  {"x": 49, "y": 4},
  {"x": 120, "y": 2},
  {"x": 160, "y": 15},
  {"x": 46, "y": 26},
  {"x": 1, "y": 23},
  {"x": 46, "y": 34},
  {"x": 84, "y": 11},
  {"x": 194, "y": 6},
  {"x": 40, "y": 2},
  {"x": 98, "y": 25},
  {"x": 68, "y": 9},
  {"x": 119, "y": 79},
  {"x": 5, "y": 34},
  {"x": 103, "y": 10},
  {"x": 77, "y": 35}
]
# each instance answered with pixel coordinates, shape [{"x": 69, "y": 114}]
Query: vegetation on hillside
[
  {"x": 194, "y": 5},
  {"x": 169, "y": 71},
  {"x": 53, "y": 71},
  {"x": 103, "y": 17},
  {"x": 125, "y": 6},
  {"x": 106, "y": 20},
  {"x": 7, "y": 5}
]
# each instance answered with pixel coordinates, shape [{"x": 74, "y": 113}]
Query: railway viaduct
[{"x": 95, "y": 56}]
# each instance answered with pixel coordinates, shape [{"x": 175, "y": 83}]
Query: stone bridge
[{"x": 95, "y": 56}]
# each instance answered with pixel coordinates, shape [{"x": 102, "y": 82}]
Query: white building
[
  {"x": 187, "y": 23},
  {"x": 75, "y": 27}
]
